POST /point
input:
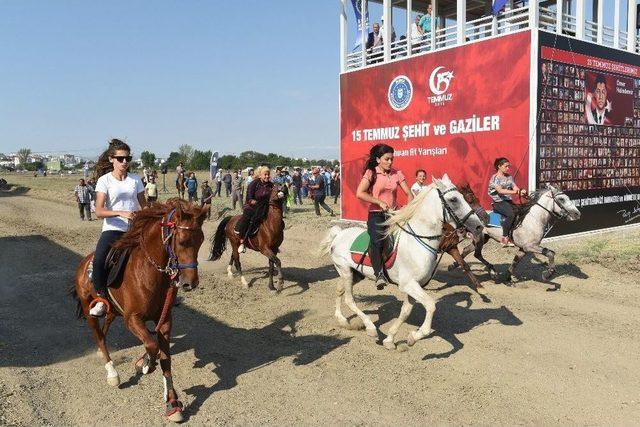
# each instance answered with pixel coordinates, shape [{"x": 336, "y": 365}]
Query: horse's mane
[
  {"x": 406, "y": 213},
  {"x": 150, "y": 216}
]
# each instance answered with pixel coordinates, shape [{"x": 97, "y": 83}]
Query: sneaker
[
  {"x": 98, "y": 310},
  {"x": 381, "y": 282},
  {"x": 241, "y": 248}
]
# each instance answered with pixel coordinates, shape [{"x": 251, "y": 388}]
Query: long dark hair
[
  {"x": 104, "y": 166},
  {"x": 375, "y": 153},
  {"x": 499, "y": 162}
]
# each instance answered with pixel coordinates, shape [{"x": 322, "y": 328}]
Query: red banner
[{"x": 453, "y": 112}]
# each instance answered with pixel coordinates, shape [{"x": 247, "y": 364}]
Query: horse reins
[{"x": 173, "y": 267}]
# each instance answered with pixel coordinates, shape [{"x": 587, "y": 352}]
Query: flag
[
  {"x": 357, "y": 11},
  {"x": 213, "y": 168},
  {"x": 497, "y": 6}
]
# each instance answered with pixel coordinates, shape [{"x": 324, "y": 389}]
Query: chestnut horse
[
  {"x": 180, "y": 185},
  {"x": 164, "y": 241},
  {"x": 451, "y": 239},
  {"x": 267, "y": 240}
]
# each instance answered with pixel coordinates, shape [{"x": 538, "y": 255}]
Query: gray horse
[{"x": 543, "y": 205}]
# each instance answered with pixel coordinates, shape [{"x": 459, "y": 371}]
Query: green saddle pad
[{"x": 361, "y": 244}]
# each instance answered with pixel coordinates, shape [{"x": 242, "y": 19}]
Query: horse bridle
[
  {"x": 173, "y": 267},
  {"x": 566, "y": 212},
  {"x": 446, "y": 209}
]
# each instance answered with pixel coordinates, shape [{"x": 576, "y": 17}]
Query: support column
[
  {"x": 409, "y": 24},
  {"x": 434, "y": 26},
  {"x": 616, "y": 24},
  {"x": 386, "y": 34},
  {"x": 461, "y": 20},
  {"x": 580, "y": 19},
  {"x": 534, "y": 13},
  {"x": 600, "y": 21},
  {"x": 343, "y": 36},
  {"x": 364, "y": 32},
  {"x": 559, "y": 16},
  {"x": 631, "y": 26}
]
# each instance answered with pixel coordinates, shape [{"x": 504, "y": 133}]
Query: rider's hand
[
  {"x": 127, "y": 214},
  {"x": 252, "y": 202},
  {"x": 383, "y": 206}
]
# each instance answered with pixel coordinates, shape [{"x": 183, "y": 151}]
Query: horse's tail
[
  {"x": 325, "y": 245},
  {"x": 219, "y": 243},
  {"x": 74, "y": 294}
]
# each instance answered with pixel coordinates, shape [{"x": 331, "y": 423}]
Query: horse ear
[{"x": 445, "y": 179}]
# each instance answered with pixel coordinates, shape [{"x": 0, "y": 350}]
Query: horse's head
[
  {"x": 471, "y": 198},
  {"x": 560, "y": 204},
  {"x": 279, "y": 194},
  {"x": 185, "y": 228},
  {"x": 456, "y": 209}
]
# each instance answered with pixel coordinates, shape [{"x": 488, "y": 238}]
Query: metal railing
[{"x": 481, "y": 28}]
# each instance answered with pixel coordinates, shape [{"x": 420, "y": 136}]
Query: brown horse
[
  {"x": 164, "y": 241},
  {"x": 180, "y": 185},
  {"x": 267, "y": 240},
  {"x": 451, "y": 239}
]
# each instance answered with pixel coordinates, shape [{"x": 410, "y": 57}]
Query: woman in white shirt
[
  {"x": 421, "y": 177},
  {"x": 119, "y": 195}
]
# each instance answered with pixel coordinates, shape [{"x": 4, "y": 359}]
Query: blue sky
[{"x": 221, "y": 75}]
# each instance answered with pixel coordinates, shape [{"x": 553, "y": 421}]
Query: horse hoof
[
  {"x": 244, "y": 282},
  {"x": 176, "y": 417},
  {"x": 402, "y": 347},
  {"x": 356, "y": 325},
  {"x": 546, "y": 275},
  {"x": 114, "y": 381},
  {"x": 373, "y": 333},
  {"x": 411, "y": 339},
  {"x": 389, "y": 345}
]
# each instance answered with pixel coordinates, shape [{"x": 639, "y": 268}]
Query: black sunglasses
[{"x": 122, "y": 158}]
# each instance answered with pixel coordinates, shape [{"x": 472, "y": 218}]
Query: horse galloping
[
  {"x": 163, "y": 241},
  {"x": 544, "y": 205},
  {"x": 267, "y": 240},
  {"x": 418, "y": 232}
]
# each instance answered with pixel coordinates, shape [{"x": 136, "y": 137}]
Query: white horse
[
  {"x": 544, "y": 205},
  {"x": 418, "y": 231}
]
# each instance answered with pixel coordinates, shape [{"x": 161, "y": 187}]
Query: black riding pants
[
  {"x": 100, "y": 274},
  {"x": 376, "y": 242},
  {"x": 506, "y": 209},
  {"x": 242, "y": 227}
]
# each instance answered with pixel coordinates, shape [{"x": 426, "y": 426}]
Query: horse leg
[
  {"x": 236, "y": 259},
  {"x": 512, "y": 268},
  {"x": 147, "y": 363},
  {"x": 348, "y": 300},
  {"x": 230, "y": 267},
  {"x": 112, "y": 374},
  {"x": 455, "y": 253},
  {"x": 405, "y": 311},
  {"x": 105, "y": 329},
  {"x": 478, "y": 254},
  {"x": 551, "y": 256},
  {"x": 413, "y": 289},
  {"x": 278, "y": 265},
  {"x": 271, "y": 271},
  {"x": 174, "y": 406}
]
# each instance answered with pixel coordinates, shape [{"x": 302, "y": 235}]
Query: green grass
[{"x": 616, "y": 251}]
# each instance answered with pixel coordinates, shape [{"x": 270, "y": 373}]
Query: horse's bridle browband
[{"x": 173, "y": 266}]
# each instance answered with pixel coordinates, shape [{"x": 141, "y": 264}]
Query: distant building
[{"x": 69, "y": 159}]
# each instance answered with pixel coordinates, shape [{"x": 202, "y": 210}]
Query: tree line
[{"x": 199, "y": 160}]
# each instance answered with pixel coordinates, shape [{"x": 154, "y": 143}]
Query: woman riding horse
[
  {"x": 119, "y": 195},
  {"x": 258, "y": 193},
  {"x": 502, "y": 187},
  {"x": 379, "y": 186}
]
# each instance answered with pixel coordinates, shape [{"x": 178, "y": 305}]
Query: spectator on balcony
[
  {"x": 393, "y": 31},
  {"x": 425, "y": 26},
  {"x": 374, "y": 44},
  {"x": 416, "y": 33}
]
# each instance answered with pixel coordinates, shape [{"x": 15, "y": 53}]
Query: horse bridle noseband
[
  {"x": 173, "y": 267},
  {"x": 566, "y": 212}
]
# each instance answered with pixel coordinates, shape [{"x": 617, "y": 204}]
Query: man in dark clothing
[
  {"x": 296, "y": 187},
  {"x": 191, "y": 185},
  {"x": 83, "y": 197},
  {"x": 207, "y": 195},
  {"x": 316, "y": 187},
  {"x": 227, "y": 183}
]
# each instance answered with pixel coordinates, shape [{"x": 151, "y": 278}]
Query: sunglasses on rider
[{"x": 123, "y": 158}]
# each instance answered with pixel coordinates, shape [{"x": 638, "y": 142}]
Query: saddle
[
  {"x": 115, "y": 265},
  {"x": 360, "y": 250}
]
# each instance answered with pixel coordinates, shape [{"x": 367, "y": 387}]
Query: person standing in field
[
  {"x": 151, "y": 190},
  {"x": 316, "y": 185},
  {"x": 207, "y": 195},
  {"x": 191, "y": 185},
  {"x": 237, "y": 183},
  {"x": 83, "y": 197}
]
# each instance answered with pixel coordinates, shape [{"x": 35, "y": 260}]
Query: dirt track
[{"x": 247, "y": 357}]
